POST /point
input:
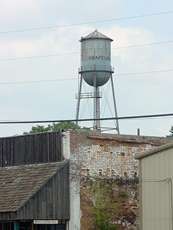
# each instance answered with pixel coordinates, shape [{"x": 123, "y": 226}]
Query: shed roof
[
  {"x": 95, "y": 35},
  {"x": 154, "y": 151},
  {"x": 19, "y": 183}
]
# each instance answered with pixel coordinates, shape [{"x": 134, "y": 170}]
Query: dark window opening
[{"x": 122, "y": 154}]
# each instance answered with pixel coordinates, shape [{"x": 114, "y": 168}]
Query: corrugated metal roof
[
  {"x": 20, "y": 183},
  {"x": 95, "y": 35}
]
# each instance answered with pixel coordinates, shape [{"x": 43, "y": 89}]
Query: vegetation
[
  {"x": 102, "y": 221},
  {"x": 54, "y": 127},
  {"x": 106, "y": 206},
  {"x": 171, "y": 131}
]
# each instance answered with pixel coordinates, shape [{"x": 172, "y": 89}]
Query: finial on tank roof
[{"x": 95, "y": 35}]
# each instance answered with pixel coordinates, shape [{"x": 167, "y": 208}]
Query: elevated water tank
[{"x": 96, "y": 58}]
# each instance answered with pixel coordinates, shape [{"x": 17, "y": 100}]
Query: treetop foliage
[{"x": 55, "y": 127}]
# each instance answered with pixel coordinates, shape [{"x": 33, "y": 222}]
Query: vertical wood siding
[
  {"x": 51, "y": 202},
  {"x": 29, "y": 149}
]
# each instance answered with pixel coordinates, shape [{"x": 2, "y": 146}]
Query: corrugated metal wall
[
  {"x": 29, "y": 149},
  {"x": 157, "y": 212}
]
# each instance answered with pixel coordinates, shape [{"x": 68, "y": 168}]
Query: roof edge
[
  {"x": 84, "y": 39},
  {"x": 96, "y": 35},
  {"x": 154, "y": 151},
  {"x": 30, "y": 134},
  {"x": 62, "y": 165},
  {"x": 128, "y": 139}
]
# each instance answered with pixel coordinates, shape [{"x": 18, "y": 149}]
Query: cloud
[
  {"x": 65, "y": 40},
  {"x": 133, "y": 96},
  {"x": 17, "y": 11},
  {"x": 66, "y": 43}
]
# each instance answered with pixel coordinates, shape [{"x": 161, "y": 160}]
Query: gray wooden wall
[
  {"x": 51, "y": 202},
  {"x": 29, "y": 149}
]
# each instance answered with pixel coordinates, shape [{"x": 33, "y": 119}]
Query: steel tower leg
[
  {"x": 96, "y": 106},
  {"x": 78, "y": 100},
  {"x": 115, "y": 107}
]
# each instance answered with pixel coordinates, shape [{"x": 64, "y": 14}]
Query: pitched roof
[
  {"x": 154, "y": 151},
  {"x": 19, "y": 183},
  {"x": 95, "y": 35}
]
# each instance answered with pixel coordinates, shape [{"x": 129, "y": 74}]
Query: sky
[{"x": 137, "y": 93}]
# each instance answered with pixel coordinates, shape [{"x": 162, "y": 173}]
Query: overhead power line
[
  {"x": 78, "y": 52},
  {"x": 145, "y": 44},
  {"x": 75, "y": 78},
  {"x": 145, "y": 72},
  {"x": 90, "y": 119},
  {"x": 51, "y": 27},
  {"x": 37, "y": 56},
  {"x": 35, "y": 82}
]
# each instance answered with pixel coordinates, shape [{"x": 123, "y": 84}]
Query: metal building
[
  {"x": 96, "y": 71},
  {"x": 156, "y": 188}
]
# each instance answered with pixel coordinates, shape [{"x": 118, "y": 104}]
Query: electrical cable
[
  {"x": 89, "y": 119},
  {"x": 77, "y": 52},
  {"x": 37, "y": 56},
  {"x": 144, "y": 44},
  {"x": 51, "y": 27},
  {"x": 37, "y": 81},
  {"x": 146, "y": 72},
  {"x": 67, "y": 79}
]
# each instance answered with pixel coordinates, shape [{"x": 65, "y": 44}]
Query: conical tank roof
[{"x": 95, "y": 35}]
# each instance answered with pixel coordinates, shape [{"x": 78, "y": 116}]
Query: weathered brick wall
[
  {"x": 109, "y": 155},
  {"x": 108, "y": 204},
  {"x": 107, "y": 171}
]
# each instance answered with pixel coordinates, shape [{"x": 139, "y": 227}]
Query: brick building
[
  {"x": 95, "y": 157},
  {"x": 72, "y": 180},
  {"x": 108, "y": 154}
]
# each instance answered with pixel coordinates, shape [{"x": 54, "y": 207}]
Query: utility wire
[
  {"x": 145, "y": 44},
  {"x": 37, "y": 56},
  {"x": 70, "y": 79},
  {"x": 35, "y": 82},
  {"x": 77, "y": 52},
  {"x": 90, "y": 119},
  {"x": 51, "y": 27},
  {"x": 145, "y": 72}
]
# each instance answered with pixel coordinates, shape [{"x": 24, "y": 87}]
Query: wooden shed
[{"x": 34, "y": 196}]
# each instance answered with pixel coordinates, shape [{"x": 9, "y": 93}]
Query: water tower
[{"x": 96, "y": 71}]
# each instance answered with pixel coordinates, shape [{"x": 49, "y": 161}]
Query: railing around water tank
[{"x": 95, "y": 68}]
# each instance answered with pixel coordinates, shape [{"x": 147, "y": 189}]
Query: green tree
[
  {"x": 171, "y": 131},
  {"x": 54, "y": 127}
]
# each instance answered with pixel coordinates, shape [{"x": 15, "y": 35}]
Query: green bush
[{"x": 102, "y": 221}]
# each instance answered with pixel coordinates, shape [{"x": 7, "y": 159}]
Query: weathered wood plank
[{"x": 28, "y": 149}]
